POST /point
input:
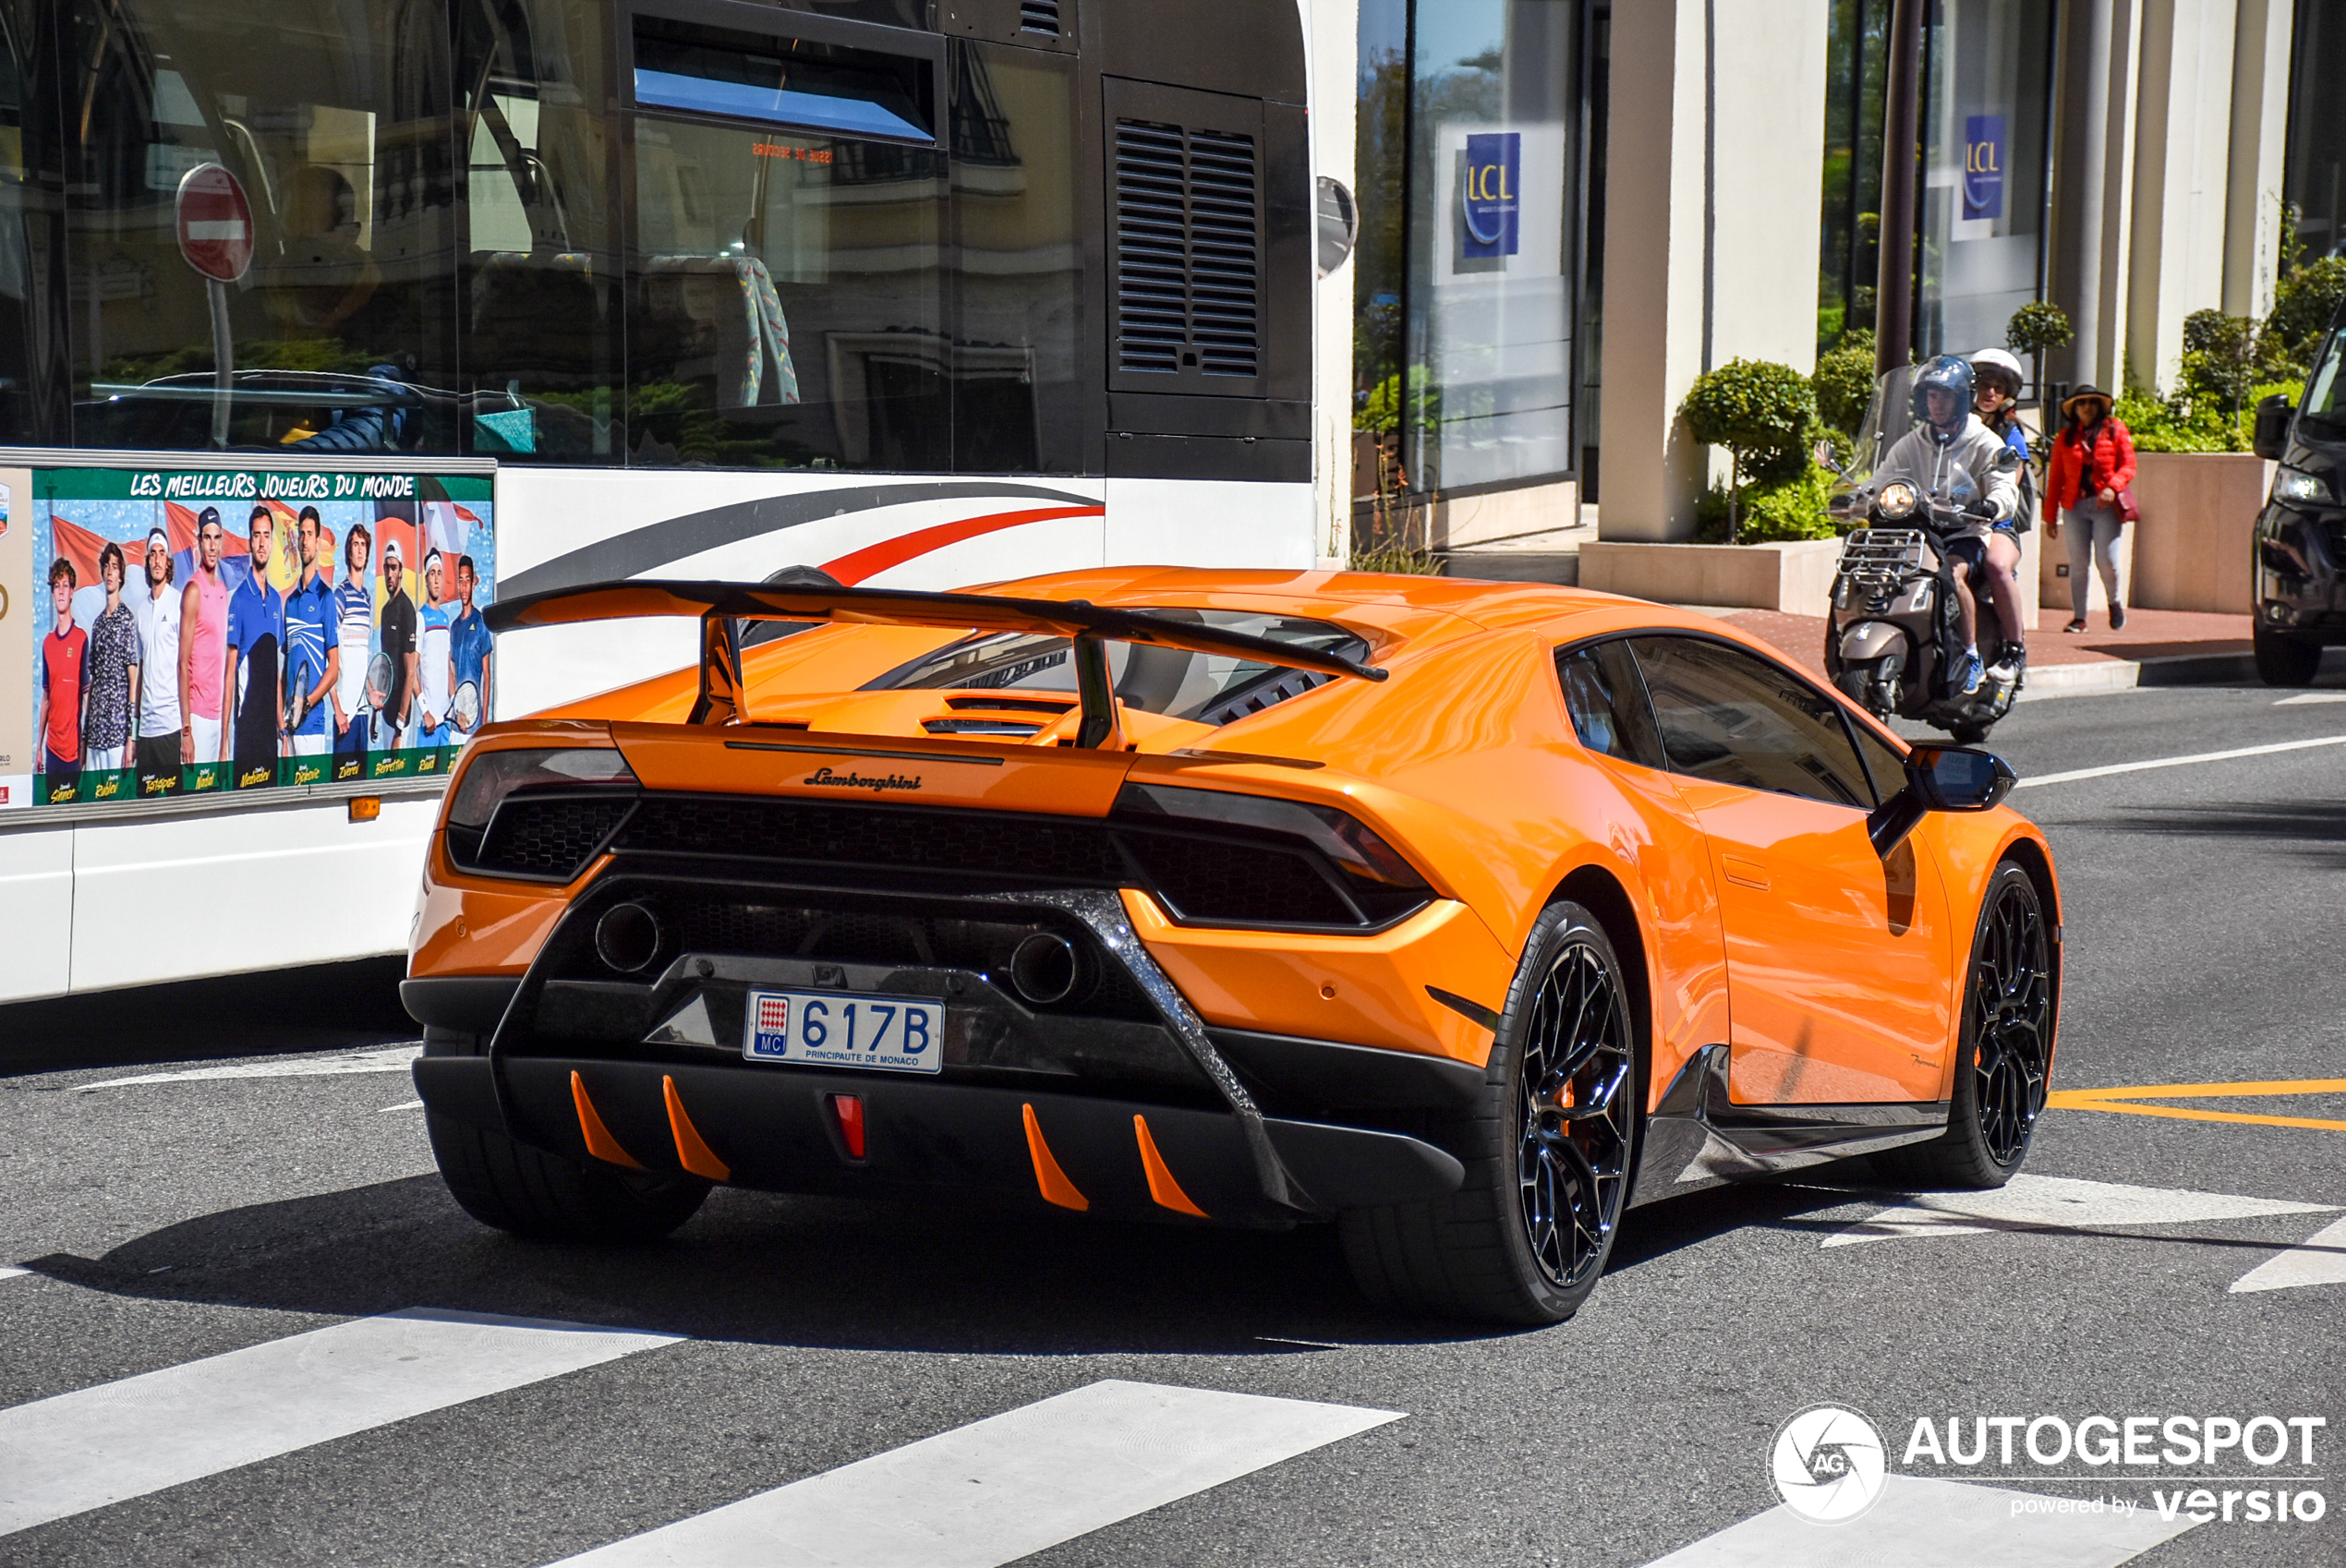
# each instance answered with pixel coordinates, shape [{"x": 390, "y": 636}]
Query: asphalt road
[{"x": 163, "y": 1222}]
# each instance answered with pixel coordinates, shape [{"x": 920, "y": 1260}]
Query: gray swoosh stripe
[{"x": 644, "y": 549}]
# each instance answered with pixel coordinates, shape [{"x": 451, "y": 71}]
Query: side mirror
[
  {"x": 1940, "y": 778},
  {"x": 2273, "y": 415}
]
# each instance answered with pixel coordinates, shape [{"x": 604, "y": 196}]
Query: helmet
[
  {"x": 1947, "y": 373},
  {"x": 1993, "y": 366}
]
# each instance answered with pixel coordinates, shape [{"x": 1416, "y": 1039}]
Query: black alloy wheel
[
  {"x": 2006, "y": 1061},
  {"x": 2007, "y": 1015},
  {"x": 1574, "y": 1128},
  {"x": 1548, "y": 1148}
]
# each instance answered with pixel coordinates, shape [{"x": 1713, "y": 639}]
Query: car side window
[
  {"x": 1733, "y": 719},
  {"x": 1606, "y": 698}
]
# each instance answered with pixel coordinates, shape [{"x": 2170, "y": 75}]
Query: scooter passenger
[
  {"x": 1996, "y": 376},
  {"x": 1952, "y": 455}
]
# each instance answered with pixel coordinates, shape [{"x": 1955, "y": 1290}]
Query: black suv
[{"x": 2301, "y": 535}]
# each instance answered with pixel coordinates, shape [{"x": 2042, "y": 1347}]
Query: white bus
[{"x": 530, "y": 293}]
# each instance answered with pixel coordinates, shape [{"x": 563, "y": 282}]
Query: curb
[{"x": 2105, "y": 676}]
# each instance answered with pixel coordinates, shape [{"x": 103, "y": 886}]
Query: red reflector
[{"x": 849, "y": 1109}]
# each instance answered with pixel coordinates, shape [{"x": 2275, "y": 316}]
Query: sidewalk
[{"x": 2159, "y": 647}]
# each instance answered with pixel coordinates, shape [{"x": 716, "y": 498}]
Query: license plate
[{"x": 830, "y": 1030}]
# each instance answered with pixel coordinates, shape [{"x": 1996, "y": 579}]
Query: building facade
[{"x": 1571, "y": 208}]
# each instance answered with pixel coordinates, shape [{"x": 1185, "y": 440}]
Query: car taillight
[
  {"x": 536, "y": 812},
  {"x": 1310, "y": 865}
]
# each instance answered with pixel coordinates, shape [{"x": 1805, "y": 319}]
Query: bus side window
[{"x": 538, "y": 281}]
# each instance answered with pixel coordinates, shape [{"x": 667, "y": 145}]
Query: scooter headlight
[{"x": 1897, "y": 500}]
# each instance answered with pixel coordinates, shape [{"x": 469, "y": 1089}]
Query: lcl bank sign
[{"x": 1490, "y": 209}]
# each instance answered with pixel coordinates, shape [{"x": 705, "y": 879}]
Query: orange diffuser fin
[
  {"x": 1162, "y": 1187},
  {"x": 1052, "y": 1180},
  {"x": 599, "y": 1142},
  {"x": 691, "y": 1153}
]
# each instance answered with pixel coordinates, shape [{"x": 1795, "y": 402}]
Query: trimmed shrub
[{"x": 1771, "y": 511}]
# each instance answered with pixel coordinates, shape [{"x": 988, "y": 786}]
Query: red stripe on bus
[{"x": 872, "y": 559}]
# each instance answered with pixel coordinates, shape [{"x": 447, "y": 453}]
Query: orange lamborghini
[{"x": 1464, "y": 916}]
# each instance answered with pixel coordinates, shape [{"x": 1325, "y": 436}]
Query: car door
[
  {"x": 1838, "y": 972},
  {"x": 1606, "y": 698}
]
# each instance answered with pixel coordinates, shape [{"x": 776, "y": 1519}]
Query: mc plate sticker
[{"x": 831, "y": 1030}]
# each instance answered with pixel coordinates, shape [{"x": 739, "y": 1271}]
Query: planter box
[
  {"x": 2191, "y": 550},
  {"x": 1795, "y": 576}
]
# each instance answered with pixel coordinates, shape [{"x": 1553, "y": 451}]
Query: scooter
[{"x": 1895, "y": 633}]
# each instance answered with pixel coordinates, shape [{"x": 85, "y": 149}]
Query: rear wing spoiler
[{"x": 720, "y": 606}]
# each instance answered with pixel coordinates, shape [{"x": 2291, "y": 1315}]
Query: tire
[
  {"x": 1527, "y": 1235},
  {"x": 2283, "y": 660},
  {"x": 1968, "y": 734},
  {"x": 529, "y": 1192},
  {"x": 2004, "y": 1062}
]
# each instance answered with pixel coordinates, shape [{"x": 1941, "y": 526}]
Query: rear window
[{"x": 1205, "y": 688}]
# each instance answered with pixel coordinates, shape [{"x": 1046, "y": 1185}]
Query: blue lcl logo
[
  {"x": 1488, "y": 207},
  {"x": 1983, "y": 166}
]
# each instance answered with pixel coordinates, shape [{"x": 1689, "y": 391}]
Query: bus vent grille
[
  {"x": 1039, "y": 15},
  {"x": 1188, "y": 251}
]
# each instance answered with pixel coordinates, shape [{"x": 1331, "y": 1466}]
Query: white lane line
[
  {"x": 75, "y": 1452},
  {"x": 10, "y": 1274},
  {"x": 2320, "y": 1259},
  {"x": 1004, "y": 1487},
  {"x": 2035, "y": 1202},
  {"x": 1923, "y": 1522},
  {"x": 2311, "y": 697},
  {"x": 2074, "y": 775},
  {"x": 402, "y": 1105},
  {"x": 393, "y": 1058}
]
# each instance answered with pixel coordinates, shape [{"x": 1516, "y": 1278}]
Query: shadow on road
[
  {"x": 2314, "y": 826},
  {"x": 315, "y": 1007},
  {"x": 751, "y": 1267}
]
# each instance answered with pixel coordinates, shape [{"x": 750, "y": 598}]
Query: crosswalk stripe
[
  {"x": 2034, "y": 1202},
  {"x": 75, "y": 1452},
  {"x": 1923, "y": 1522},
  {"x": 2320, "y": 1259},
  {"x": 1000, "y": 1488}
]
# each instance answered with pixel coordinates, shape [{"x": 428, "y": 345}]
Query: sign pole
[{"x": 223, "y": 360}]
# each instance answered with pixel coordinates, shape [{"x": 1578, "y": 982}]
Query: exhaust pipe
[
  {"x": 627, "y": 937},
  {"x": 1045, "y": 969}
]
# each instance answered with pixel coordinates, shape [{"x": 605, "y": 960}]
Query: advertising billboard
[{"x": 194, "y": 632}]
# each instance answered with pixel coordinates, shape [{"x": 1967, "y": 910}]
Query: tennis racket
[
  {"x": 378, "y": 682},
  {"x": 466, "y": 710},
  {"x": 297, "y": 698}
]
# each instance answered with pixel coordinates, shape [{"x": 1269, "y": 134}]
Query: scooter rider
[{"x": 1952, "y": 455}]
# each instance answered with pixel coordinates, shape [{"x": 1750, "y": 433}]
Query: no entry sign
[{"x": 215, "y": 222}]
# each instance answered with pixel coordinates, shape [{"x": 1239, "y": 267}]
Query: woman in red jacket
[{"x": 2092, "y": 462}]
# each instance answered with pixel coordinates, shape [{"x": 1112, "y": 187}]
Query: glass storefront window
[
  {"x": 336, "y": 121},
  {"x": 1469, "y": 169},
  {"x": 1985, "y": 119},
  {"x": 1987, "y": 94},
  {"x": 2315, "y": 173},
  {"x": 1492, "y": 246}
]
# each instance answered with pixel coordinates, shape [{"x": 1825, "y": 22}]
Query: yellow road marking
[
  {"x": 2213, "y": 1091},
  {"x": 2118, "y": 1100}
]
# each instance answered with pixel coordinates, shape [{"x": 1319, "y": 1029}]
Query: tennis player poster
[{"x": 218, "y": 631}]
